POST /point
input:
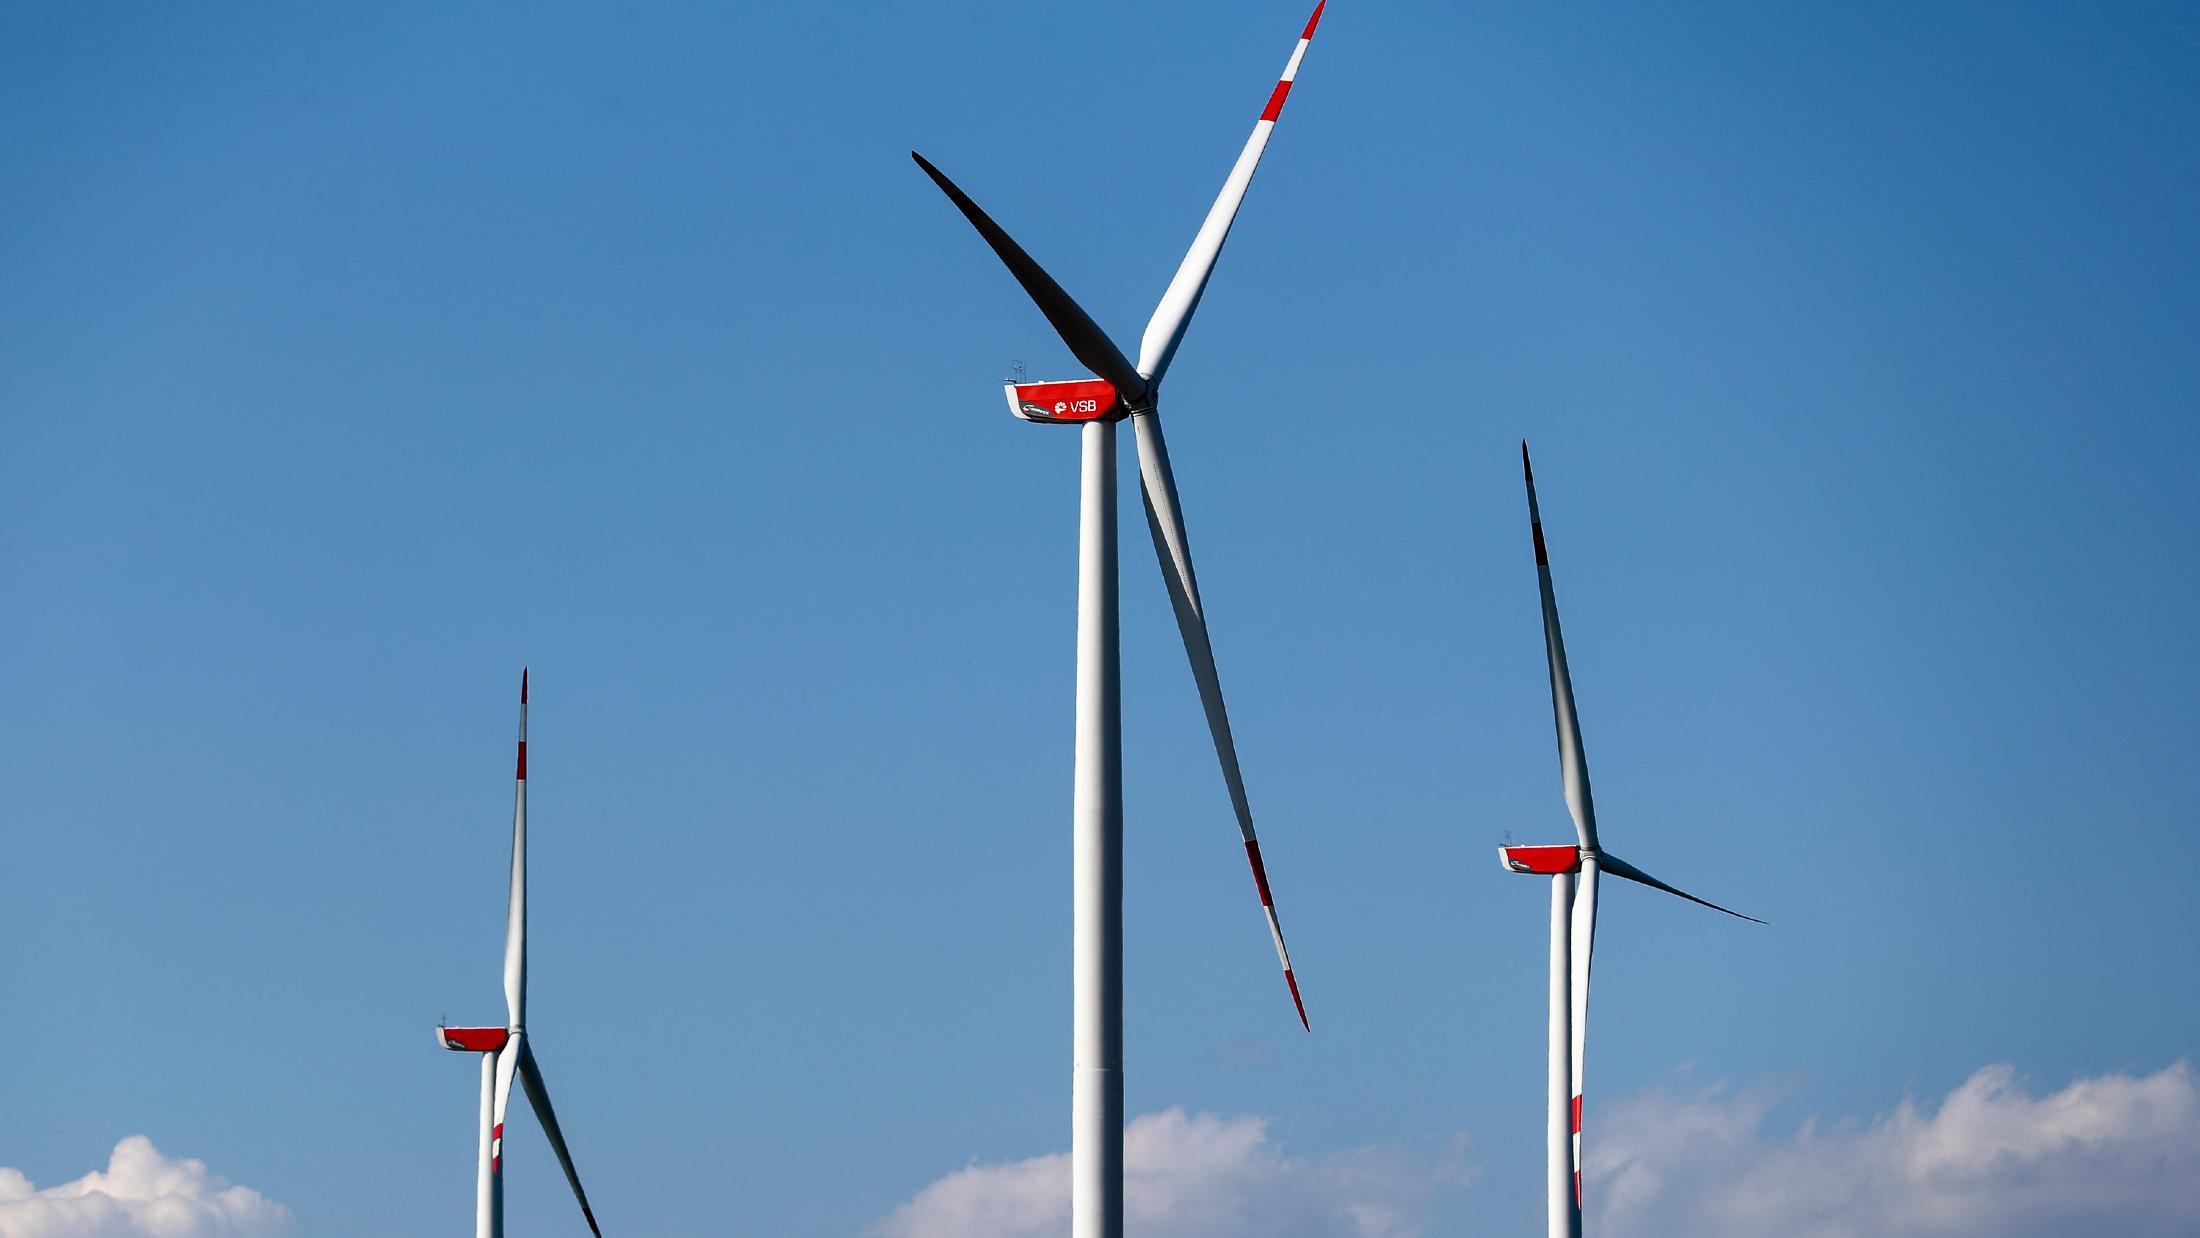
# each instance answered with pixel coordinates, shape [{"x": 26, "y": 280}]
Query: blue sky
[{"x": 351, "y": 360}]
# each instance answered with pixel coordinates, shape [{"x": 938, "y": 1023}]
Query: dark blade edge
[
  {"x": 538, "y": 1095},
  {"x": 1621, "y": 868},
  {"x": 1087, "y": 342}
]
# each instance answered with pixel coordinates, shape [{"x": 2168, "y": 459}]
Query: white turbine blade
[
  {"x": 1573, "y": 763},
  {"x": 1583, "y": 942},
  {"x": 1165, "y": 520},
  {"x": 501, "y": 1105},
  {"x": 515, "y": 915},
  {"x": 1165, "y": 330},
  {"x": 1087, "y": 342},
  {"x": 1621, "y": 868},
  {"x": 538, "y": 1094}
]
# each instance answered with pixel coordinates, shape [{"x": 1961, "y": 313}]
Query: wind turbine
[
  {"x": 505, "y": 1051},
  {"x": 1121, "y": 391},
  {"x": 1573, "y": 872}
]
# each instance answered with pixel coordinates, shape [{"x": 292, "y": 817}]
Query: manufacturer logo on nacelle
[{"x": 1085, "y": 399}]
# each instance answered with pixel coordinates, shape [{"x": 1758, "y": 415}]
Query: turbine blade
[
  {"x": 538, "y": 1094},
  {"x": 1583, "y": 942},
  {"x": 1165, "y": 330},
  {"x": 1165, "y": 519},
  {"x": 501, "y": 1104},
  {"x": 515, "y": 914},
  {"x": 1087, "y": 342},
  {"x": 1621, "y": 868},
  {"x": 1573, "y": 763}
]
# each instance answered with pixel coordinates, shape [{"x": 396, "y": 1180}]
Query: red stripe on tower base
[
  {"x": 1542, "y": 559},
  {"x": 1260, "y": 872},
  {"x": 1275, "y": 102},
  {"x": 522, "y": 774}
]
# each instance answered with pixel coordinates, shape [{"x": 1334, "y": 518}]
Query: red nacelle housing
[
  {"x": 1548, "y": 861},
  {"x": 1083, "y": 399},
  {"x": 472, "y": 1039}
]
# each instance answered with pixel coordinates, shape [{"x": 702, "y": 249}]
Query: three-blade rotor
[
  {"x": 1137, "y": 389},
  {"x": 510, "y": 1056},
  {"x": 1590, "y": 859}
]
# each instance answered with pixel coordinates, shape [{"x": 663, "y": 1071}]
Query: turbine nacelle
[
  {"x": 1066, "y": 403},
  {"x": 472, "y": 1039},
  {"x": 1541, "y": 861}
]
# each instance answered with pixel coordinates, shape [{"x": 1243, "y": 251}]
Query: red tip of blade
[
  {"x": 1260, "y": 873},
  {"x": 591, "y": 1221},
  {"x": 1526, "y": 470},
  {"x": 1293, "y": 981},
  {"x": 1314, "y": 21},
  {"x": 523, "y": 685}
]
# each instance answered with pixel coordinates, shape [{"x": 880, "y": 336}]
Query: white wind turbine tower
[
  {"x": 1120, "y": 391},
  {"x": 1573, "y": 908},
  {"x": 505, "y": 1051}
]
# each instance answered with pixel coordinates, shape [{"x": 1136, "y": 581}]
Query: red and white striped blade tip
[
  {"x": 1275, "y": 926},
  {"x": 1274, "y": 110}
]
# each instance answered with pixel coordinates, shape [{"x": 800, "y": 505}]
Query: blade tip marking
[
  {"x": 1293, "y": 981},
  {"x": 1260, "y": 872},
  {"x": 523, "y": 685},
  {"x": 1275, "y": 102},
  {"x": 1314, "y": 21}
]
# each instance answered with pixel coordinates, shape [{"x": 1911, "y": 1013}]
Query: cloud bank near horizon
[
  {"x": 142, "y": 1193},
  {"x": 2115, "y": 1153},
  {"x": 2112, "y": 1154},
  {"x": 1199, "y": 1174}
]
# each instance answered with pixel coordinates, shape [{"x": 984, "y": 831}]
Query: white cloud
[
  {"x": 141, "y": 1194},
  {"x": 1199, "y": 1174},
  {"x": 2118, "y": 1154}
]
